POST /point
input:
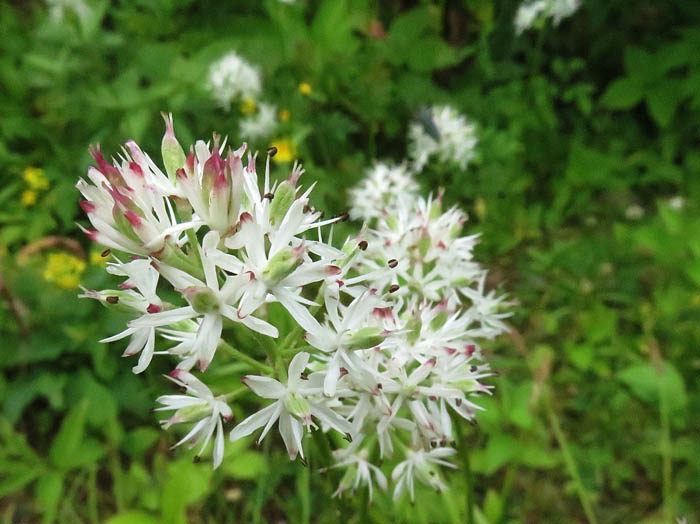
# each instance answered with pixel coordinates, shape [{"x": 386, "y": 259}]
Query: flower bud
[
  {"x": 282, "y": 201},
  {"x": 413, "y": 326},
  {"x": 191, "y": 413},
  {"x": 424, "y": 243},
  {"x": 298, "y": 406},
  {"x": 281, "y": 265},
  {"x": 119, "y": 300},
  {"x": 439, "y": 320},
  {"x": 173, "y": 154},
  {"x": 202, "y": 299},
  {"x": 365, "y": 338}
]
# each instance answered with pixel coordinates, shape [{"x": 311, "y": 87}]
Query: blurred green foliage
[{"x": 586, "y": 190}]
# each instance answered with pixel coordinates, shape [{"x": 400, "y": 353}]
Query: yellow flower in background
[
  {"x": 97, "y": 259},
  {"x": 284, "y": 115},
  {"x": 286, "y": 152},
  {"x": 29, "y": 197},
  {"x": 305, "y": 88},
  {"x": 64, "y": 270},
  {"x": 35, "y": 179},
  {"x": 248, "y": 106}
]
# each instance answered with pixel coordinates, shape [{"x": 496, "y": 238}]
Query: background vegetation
[{"x": 586, "y": 190}]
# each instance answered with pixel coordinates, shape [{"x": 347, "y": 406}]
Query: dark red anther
[
  {"x": 393, "y": 263},
  {"x": 362, "y": 245},
  {"x": 154, "y": 308},
  {"x": 394, "y": 288}
]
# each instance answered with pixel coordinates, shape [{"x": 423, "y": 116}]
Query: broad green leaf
[
  {"x": 247, "y": 465},
  {"x": 69, "y": 437},
  {"x": 623, "y": 93},
  {"x": 662, "y": 100},
  {"x": 646, "y": 382}
]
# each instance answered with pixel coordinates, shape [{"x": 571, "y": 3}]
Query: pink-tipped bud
[
  {"x": 133, "y": 219},
  {"x": 332, "y": 270},
  {"x": 92, "y": 234},
  {"x": 154, "y": 308},
  {"x": 105, "y": 167},
  {"x": 189, "y": 162},
  {"x": 136, "y": 169},
  {"x": 87, "y": 206}
]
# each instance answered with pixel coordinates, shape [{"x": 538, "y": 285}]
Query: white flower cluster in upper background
[
  {"x": 232, "y": 79},
  {"x": 441, "y": 134},
  {"x": 535, "y": 13},
  {"x": 385, "y": 348}
]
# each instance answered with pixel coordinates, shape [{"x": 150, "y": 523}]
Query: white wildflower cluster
[
  {"x": 233, "y": 79},
  {"x": 443, "y": 135},
  {"x": 59, "y": 8},
  {"x": 380, "y": 189},
  {"x": 385, "y": 347},
  {"x": 535, "y": 13},
  {"x": 262, "y": 123}
]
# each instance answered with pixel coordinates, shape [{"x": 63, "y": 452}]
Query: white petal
[
  {"x": 265, "y": 387},
  {"x": 253, "y": 422}
]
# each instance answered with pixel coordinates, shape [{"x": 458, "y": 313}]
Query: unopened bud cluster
[{"x": 385, "y": 348}]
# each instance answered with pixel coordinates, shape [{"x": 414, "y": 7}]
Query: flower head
[
  {"x": 442, "y": 135},
  {"x": 232, "y": 78}
]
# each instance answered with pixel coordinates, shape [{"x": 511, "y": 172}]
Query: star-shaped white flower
[{"x": 295, "y": 405}]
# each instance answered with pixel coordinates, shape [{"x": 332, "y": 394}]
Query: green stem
[
  {"x": 665, "y": 445},
  {"x": 304, "y": 487},
  {"x": 260, "y": 491},
  {"x": 232, "y": 395},
  {"x": 194, "y": 246},
  {"x": 466, "y": 467},
  {"x": 569, "y": 460},
  {"x": 228, "y": 348}
]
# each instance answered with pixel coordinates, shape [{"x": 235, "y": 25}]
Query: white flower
[
  {"x": 532, "y": 13},
  {"x": 295, "y": 406},
  {"x": 208, "y": 301},
  {"x": 58, "y": 8},
  {"x": 421, "y": 465},
  {"x": 232, "y": 78},
  {"x": 380, "y": 189},
  {"x": 198, "y": 405},
  {"x": 261, "y": 124},
  {"x": 454, "y": 144},
  {"x": 358, "y": 469}
]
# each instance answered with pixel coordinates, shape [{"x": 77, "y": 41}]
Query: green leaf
[
  {"x": 17, "y": 480},
  {"x": 245, "y": 466},
  {"x": 49, "y": 488},
  {"x": 646, "y": 382},
  {"x": 662, "y": 100},
  {"x": 133, "y": 517},
  {"x": 187, "y": 483},
  {"x": 69, "y": 437},
  {"x": 623, "y": 93}
]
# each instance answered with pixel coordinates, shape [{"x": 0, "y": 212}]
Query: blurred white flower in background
[
  {"x": 261, "y": 124},
  {"x": 232, "y": 78},
  {"x": 442, "y": 135},
  {"x": 536, "y": 12},
  {"x": 58, "y": 8}
]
